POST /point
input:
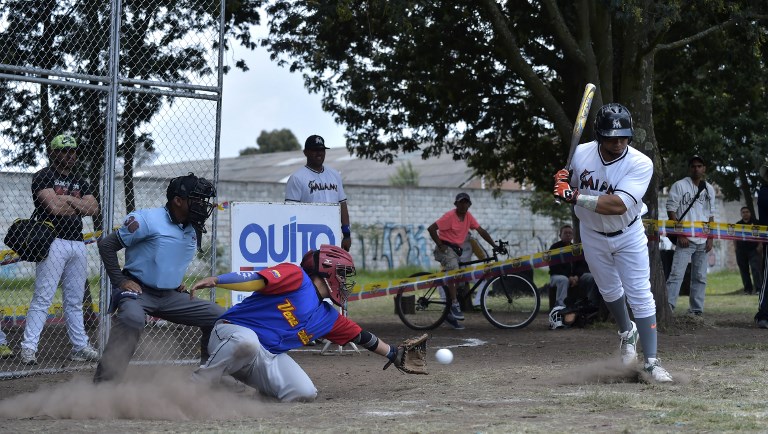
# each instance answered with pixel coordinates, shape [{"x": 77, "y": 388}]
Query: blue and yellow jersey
[{"x": 285, "y": 310}]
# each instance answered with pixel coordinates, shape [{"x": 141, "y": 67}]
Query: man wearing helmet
[
  {"x": 286, "y": 311},
  {"x": 608, "y": 181},
  {"x": 159, "y": 243}
]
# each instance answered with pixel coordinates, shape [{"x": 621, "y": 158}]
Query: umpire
[{"x": 160, "y": 244}]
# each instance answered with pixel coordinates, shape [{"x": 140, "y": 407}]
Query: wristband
[{"x": 588, "y": 202}]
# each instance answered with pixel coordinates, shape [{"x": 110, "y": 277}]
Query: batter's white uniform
[
  {"x": 308, "y": 186},
  {"x": 615, "y": 246}
]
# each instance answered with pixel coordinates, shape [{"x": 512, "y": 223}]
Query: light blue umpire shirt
[{"x": 157, "y": 250}]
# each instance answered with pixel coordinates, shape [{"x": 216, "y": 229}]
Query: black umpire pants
[{"x": 170, "y": 305}]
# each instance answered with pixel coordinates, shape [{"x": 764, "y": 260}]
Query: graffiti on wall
[{"x": 387, "y": 246}]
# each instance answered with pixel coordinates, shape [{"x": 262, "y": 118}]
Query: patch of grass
[{"x": 725, "y": 282}]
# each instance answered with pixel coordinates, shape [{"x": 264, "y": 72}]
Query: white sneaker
[
  {"x": 655, "y": 371},
  {"x": 86, "y": 354},
  {"x": 628, "y": 345},
  {"x": 28, "y": 357}
]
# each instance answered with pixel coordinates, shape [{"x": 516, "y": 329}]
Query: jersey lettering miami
[
  {"x": 308, "y": 186},
  {"x": 285, "y": 311},
  {"x": 627, "y": 177}
]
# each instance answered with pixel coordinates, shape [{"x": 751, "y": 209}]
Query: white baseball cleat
[
  {"x": 654, "y": 370},
  {"x": 628, "y": 345}
]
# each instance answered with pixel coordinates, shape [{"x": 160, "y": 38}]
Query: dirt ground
[{"x": 531, "y": 380}]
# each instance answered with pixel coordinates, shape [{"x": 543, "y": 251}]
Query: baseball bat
[{"x": 581, "y": 121}]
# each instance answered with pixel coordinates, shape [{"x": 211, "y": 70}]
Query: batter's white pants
[
  {"x": 620, "y": 265},
  {"x": 66, "y": 263},
  {"x": 236, "y": 351}
]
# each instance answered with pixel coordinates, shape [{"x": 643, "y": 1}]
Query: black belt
[
  {"x": 455, "y": 247},
  {"x": 619, "y": 232}
]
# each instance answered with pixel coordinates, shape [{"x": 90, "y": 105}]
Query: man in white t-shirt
[
  {"x": 315, "y": 183},
  {"x": 682, "y": 194},
  {"x": 608, "y": 181}
]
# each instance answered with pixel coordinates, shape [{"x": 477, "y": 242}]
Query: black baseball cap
[
  {"x": 315, "y": 142},
  {"x": 462, "y": 196},
  {"x": 696, "y": 157}
]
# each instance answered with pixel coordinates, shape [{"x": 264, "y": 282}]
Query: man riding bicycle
[{"x": 448, "y": 233}]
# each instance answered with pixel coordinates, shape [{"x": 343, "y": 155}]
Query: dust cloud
[
  {"x": 150, "y": 394},
  {"x": 611, "y": 371}
]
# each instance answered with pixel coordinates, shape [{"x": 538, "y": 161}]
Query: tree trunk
[{"x": 645, "y": 141}]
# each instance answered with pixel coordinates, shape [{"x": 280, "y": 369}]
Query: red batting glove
[
  {"x": 562, "y": 175},
  {"x": 564, "y": 192}
]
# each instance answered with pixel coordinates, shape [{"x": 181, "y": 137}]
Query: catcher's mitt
[{"x": 411, "y": 356}]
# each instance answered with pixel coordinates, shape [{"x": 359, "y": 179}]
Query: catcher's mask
[
  {"x": 556, "y": 318},
  {"x": 335, "y": 265},
  {"x": 199, "y": 193},
  {"x": 613, "y": 120}
]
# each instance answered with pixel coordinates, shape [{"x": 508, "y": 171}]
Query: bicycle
[{"x": 508, "y": 301}]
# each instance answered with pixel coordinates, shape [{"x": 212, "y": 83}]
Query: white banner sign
[{"x": 264, "y": 234}]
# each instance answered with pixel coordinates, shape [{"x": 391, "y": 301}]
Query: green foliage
[
  {"x": 714, "y": 100},
  {"x": 273, "y": 141},
  {"x": 495, "y": 83},
  {"x": 406, "y": 176}
]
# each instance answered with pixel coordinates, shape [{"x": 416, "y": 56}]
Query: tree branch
[
  {"x": 567, "y": 40},
  {"x": 695, "y": 37},
  {"x": 518, "y": 64}
]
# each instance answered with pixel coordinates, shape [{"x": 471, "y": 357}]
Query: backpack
[{"x": 30, "y": 239}]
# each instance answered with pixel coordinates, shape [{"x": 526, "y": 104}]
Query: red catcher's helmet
[{"x": 335, "y": 265}]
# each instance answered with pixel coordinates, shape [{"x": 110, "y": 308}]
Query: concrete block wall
[{"x": 389, "y": 224}]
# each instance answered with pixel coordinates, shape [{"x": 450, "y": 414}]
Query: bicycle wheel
[
  {"x": 422, "y": 309},
  {"x": 510, "y": 302}
]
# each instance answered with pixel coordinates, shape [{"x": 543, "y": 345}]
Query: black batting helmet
[{"x": 613, "y": 120}]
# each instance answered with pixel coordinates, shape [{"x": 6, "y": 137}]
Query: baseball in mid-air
[{"x": 444, "y": 356}]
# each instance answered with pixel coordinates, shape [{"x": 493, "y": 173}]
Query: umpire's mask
[{"x": 199, "y": 193}]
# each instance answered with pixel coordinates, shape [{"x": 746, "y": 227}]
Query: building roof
[{"x": 278, "y": 166}]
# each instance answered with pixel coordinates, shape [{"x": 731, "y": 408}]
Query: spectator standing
[
  {"x": 449, "y": 233},
  {"x": 694, "y": 192},
  {"x": 160, "y": 244},
  {"x": 748, "y": 255},
  {"x": 761, "y": 318},
  {"x": 316, "y": 183},
  {"x": 63, "y": 198}
]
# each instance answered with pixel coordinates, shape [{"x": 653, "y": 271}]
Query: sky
[{"x": 269, "y": 97}]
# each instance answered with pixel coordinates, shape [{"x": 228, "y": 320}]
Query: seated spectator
[{"x": 571, "y": 274}]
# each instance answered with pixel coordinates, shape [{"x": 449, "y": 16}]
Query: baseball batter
[
  {"x": 250, "y": 341},
  {"x": 609, "y": 179}
]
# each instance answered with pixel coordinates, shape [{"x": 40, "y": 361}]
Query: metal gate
[{"x": 138, "y": 85}]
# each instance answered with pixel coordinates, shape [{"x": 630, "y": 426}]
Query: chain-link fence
[{"x": 129, "y": 84}]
